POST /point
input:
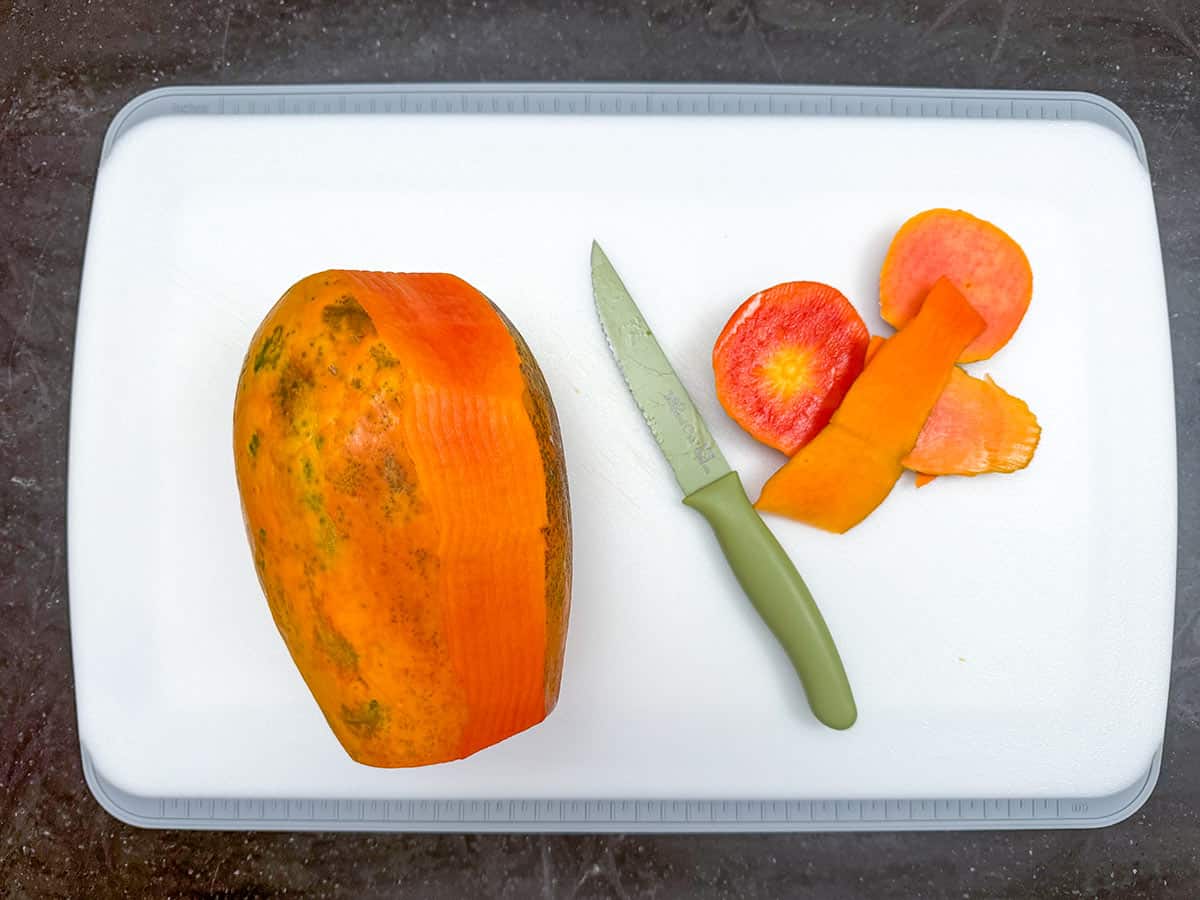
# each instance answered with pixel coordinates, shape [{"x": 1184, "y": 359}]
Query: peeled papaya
[{"x": 405, "y": 496}]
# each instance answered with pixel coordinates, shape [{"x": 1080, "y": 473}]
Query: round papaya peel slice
[
  {"x": 785, "y": 360},
  {"x": 982, "y": 261}
]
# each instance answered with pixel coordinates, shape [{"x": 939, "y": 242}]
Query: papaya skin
[
  {"x": 975, "y": 427},
  {"x": 405, "y": 498},
  {"x": 981, "y": 260},
  {"x": 851, "y": 466}
]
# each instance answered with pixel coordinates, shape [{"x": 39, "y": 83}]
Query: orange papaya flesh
[
  {"x": 873, "y": 346},
  {"x": 841, "y": 477},
  {"x": 982, "y": 261},
  {"x": 785, "y": 359}
]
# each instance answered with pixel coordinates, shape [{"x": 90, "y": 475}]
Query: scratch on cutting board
[{"x": 615, "y": 483}]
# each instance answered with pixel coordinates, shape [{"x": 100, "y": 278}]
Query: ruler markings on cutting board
[
  {"x": 623, "y": 100},
  {"x": 618, "y": 815}
]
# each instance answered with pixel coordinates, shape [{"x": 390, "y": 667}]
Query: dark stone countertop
[{"x": 66, "y": 68}]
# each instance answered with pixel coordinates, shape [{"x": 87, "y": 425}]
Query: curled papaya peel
[
  {"x": 975, "y": 427},
  {"x": 848, "y": 469}
]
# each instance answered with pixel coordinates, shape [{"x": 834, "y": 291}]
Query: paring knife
[{"x": 709, "y": 485}]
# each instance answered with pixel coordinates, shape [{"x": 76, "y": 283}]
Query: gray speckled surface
[{"x": 66, "y": 68}]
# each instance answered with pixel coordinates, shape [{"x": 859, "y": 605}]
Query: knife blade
[{"x": 761, "y": 566}]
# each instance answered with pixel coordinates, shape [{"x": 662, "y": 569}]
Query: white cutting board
[{"x": 1005, "y": 636}]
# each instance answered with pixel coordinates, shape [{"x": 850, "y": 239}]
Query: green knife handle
[{"x": 780, "y": 595}]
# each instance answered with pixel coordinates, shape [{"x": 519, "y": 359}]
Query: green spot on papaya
[
  {"x": 327, "y": 543},
  {"x": 349, "y": 478},
  {"x": 270, "y": 350},
  {"x": 366, "y": 719},
  {"x": 396, "y": 475},
  {"x": 334, "y": 645},
  {"x": 383, "y": 356},
  {"x": 346, "y": 318},
  {"x": 356, "y": 383},
  {"x": 307, "y": 466},
  {"x": 281, "y": 608},
  {"x": 425, "y": 562},
  {"x": 295, "y": 381},
  {"x": 254, "y": 442},
  {"x": 260, "y": 561},
  {"x": 315, "y": 502},
  {"x": 319, "y": 440}
]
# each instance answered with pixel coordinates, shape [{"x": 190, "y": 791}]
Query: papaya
[{"x": 404, "y": 492}]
